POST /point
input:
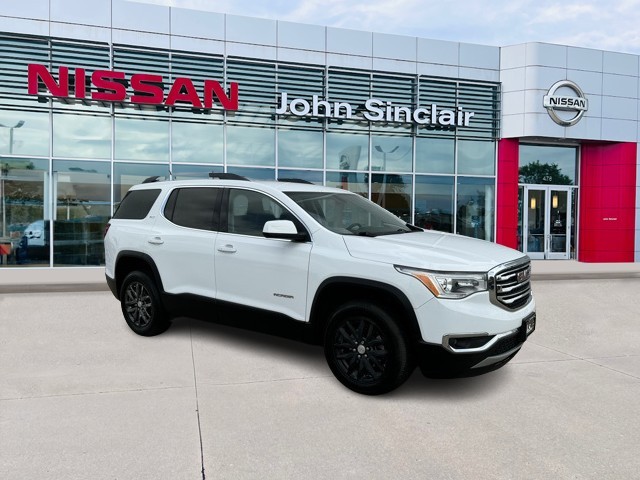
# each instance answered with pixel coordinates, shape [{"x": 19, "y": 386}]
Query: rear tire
[
  {"x": 141, "y": 305},
  {"x": 366, "y": 350}
]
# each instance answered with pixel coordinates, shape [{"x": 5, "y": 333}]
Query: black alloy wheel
[
  {"x": 141, "y": 305},
  {"x": 366, "y": 350}
]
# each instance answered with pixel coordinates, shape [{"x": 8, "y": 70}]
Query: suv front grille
[{"x": 512, "y": 285}]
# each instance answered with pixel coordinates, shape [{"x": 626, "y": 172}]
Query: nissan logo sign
[{"x": 556, "y": 105}]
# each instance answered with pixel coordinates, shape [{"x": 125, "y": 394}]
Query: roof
[{"x": 269, "y": 184}]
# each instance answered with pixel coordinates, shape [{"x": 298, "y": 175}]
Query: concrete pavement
[{"x": 81, "y": 396}]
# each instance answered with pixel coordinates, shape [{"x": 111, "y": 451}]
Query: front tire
[
  {"x": 366, "y": 350},
  {"x": 141, "y": 305}
]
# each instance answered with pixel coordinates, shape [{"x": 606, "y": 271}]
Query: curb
[
  {"x": 584, "y": 276},
  {"x": 54, "y": 288}
]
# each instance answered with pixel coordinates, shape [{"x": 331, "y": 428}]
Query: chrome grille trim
[{"x": 505, "y": 289}]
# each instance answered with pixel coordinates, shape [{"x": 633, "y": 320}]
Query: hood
[{"x": 431, "y": 251}]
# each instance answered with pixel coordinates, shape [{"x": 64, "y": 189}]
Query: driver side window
[{"x": 248, "y": 211}]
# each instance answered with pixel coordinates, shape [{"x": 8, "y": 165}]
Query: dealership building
[{"x": 533, "y": 146}]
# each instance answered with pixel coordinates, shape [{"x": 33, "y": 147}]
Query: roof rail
[
  {"x": 227, "y": 176},
  {"x": 151, "y": 179},
  {"x": 295, "y": 180}
]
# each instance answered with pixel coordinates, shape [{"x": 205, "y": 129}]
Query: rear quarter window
[{"x": 136, "y": 204}]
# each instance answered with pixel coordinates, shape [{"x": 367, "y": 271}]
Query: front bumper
[
  {"x": 440, "y": 361},
  {"x": 474, "y": 315}
]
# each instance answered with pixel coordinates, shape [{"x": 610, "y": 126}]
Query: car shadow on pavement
[
  {"x": 259, "y": 343},
  {"x": 299, "y": 353},
  {"x": 419, "y": 386}
]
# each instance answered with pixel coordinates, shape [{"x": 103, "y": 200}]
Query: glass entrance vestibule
[{"x": 548, "y": 222}]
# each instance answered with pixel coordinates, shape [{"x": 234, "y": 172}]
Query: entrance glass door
[{"x": 547, "y": 222}]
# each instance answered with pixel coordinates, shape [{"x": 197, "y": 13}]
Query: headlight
[{"x": 448, "y": 285}]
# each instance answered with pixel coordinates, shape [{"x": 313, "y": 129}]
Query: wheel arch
[
  {"x": 128, "y": 261},
  {"x": 335, "y": 291}
]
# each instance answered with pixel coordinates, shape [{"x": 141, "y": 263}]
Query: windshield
[{"x": 349, "y": 214}]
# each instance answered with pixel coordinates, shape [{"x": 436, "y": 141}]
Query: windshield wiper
[
  {"x": 413, "y": 228},
  {"x": 400, "y": 230}
]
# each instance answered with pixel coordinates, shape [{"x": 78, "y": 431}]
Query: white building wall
[
  {"x": 608, "y": 79},
  {"x": 124, "y": 21}
]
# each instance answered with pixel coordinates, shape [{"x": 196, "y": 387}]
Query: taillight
[{"x": 106, "y": 229}]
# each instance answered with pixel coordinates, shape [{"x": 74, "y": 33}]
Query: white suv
[{"x": 324, "y": 265}]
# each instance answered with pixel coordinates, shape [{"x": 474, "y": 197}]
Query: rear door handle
[
  {"x": 228, "y": 248},
  {"x": 156, "y": 241}
]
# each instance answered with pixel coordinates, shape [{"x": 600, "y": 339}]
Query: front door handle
[
  {"x": 156, "y": 240},
  {"x": 228, "y": 248}
]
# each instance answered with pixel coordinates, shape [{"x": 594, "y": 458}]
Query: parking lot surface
[{"x": 81, "y": 396}]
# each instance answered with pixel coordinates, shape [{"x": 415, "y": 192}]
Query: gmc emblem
[{"x": 524, "y": 275}]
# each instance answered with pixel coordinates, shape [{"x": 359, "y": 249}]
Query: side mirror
[{"x": 283, "y": 229}]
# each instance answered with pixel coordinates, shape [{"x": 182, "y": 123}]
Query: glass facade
[{"x": 66, "y": 163}]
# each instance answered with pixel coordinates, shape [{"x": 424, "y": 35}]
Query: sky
[{"x": 601, "y": 24}]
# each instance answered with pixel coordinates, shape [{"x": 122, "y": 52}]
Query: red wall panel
[
  {"x": 607, "y": 202},
  {"x": 507, "y": 194}
]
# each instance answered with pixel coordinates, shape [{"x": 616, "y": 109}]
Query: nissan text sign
[{"x": 111, "y": 86}]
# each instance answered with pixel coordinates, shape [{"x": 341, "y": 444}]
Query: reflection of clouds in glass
[
  {"x": 125, "y": 175},
  {"x": 83, "y": 187},
  {"x": 435, "y": 155},
  {"x": 254, "y": 173},
  {"x": 300, "y": 148},
  {"x": 32, "y": 138},
  {"x": 476, "y": 157},
  {"x": 250, "y": 146},
  {"x": 84, "y": 136},
  {"x": 142, "y": 139},
  {"x": 351, "y": 181},
  {"x": 347, "y": 152},
  {"x": 392, "y": 154},
  {"x": 186, "y": 172},
  {"x": 313, "y": 176},
  {"x": 196, "y": 142}
]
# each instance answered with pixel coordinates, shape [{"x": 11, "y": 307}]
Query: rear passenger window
[
  {"x": 193, "y": 207},
  {"x": 136, "y": 204}
]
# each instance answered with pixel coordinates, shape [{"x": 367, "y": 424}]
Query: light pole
[
  {"x": 17, "y": 125},
  {"x": 4, "y": 172},
  {"x": 384, "y": 155}
]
